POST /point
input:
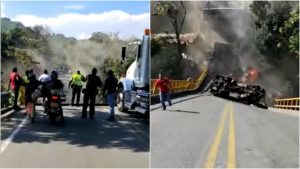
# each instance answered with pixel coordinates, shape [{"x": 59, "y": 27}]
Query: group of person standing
[
  {"x": 31, "y": 85},
  {"x": 93, "y": 82}
]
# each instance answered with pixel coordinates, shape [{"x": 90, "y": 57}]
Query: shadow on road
[
  {"x": 124, "y": 133},
  {"x": 183, "y": 100}
]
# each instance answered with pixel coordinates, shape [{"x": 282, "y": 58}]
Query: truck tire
[{"x": 120, "y": 100}]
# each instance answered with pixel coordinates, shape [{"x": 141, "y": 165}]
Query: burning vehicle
[{"x": 227, "y": 87}]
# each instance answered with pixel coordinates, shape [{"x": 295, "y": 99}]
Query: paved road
[
  {"x": 78, "y": 143},
  {"x": 206, "y": 131}
]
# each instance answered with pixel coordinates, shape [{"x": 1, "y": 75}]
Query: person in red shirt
[
  {"x": 14, "y": 85},
  {"x": 164, "y": 90}
]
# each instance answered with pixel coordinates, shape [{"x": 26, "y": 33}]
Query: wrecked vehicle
[{"x": 227, "y": 87}]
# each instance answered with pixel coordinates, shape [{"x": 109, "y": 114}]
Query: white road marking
[
  {"x": 7, "y": 114},
  {"x": 11, "y": 137}
]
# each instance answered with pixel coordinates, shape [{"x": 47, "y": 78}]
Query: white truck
[{"x": 133, "y": 90}]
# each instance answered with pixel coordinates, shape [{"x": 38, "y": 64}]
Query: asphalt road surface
[
  {"x": 77, "y": 143},
  {"x": 207, "y": 131}
]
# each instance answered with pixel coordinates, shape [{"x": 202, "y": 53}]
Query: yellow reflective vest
[{"x": 76, "y": 79}]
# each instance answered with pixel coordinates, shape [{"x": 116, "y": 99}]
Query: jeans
[
  {"x": 111, "y": 99},
  {"x": 165, "y": 97}
]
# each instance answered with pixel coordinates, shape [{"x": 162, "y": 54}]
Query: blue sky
[
  {"x": 80, "y": 19},
  {"x": 51, "y": 8}
]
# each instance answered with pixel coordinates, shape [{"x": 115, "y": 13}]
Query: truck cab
[{"x": 133, "y": 89}]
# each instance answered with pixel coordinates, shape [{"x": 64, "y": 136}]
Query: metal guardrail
[
  {"x": 289, "y": 103},
  {"x": 184, "y": 85}
]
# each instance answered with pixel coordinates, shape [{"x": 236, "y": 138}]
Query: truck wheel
[{"x": 120, "y": 100}]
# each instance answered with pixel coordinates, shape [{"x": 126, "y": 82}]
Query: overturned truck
[{"x": 229, "y": 88}]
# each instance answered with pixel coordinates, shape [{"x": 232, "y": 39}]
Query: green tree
[
  {"x": 278, "y": 26},
  {"x": 20, "y": 43},
  {"x": 176, "y": 12},
  {"x": 290, "y": 29},
  {"x": 7, "y": 25}
]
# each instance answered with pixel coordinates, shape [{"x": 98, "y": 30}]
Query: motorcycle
[{"x": 53, "y": 105}]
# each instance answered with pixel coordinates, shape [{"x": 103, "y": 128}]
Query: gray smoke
[
  {"x": 231, "y": 22},
  {"x": 80, "y": 55}
]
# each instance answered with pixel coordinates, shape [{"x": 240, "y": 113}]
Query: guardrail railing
[
  {"x": 288, "y": 103},
  {"x": 184, "y": 85}
]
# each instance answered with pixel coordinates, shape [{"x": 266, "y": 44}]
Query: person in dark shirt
[
  {"x": 93, "y": 82},
  {"x": 110, "y": 86},
  {"x": 54, "y": 82},
  {"x": 30, "y": 88}
]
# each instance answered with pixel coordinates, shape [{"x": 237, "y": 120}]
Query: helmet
[{"x": 54, "y": 74}]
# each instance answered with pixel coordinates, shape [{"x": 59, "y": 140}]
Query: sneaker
[
  {"x": 92, "y": 117},
  {"x": 83, "y": 117}
]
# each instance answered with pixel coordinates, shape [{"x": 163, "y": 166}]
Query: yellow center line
[
  {"x": 213, "y": 151},
  {"x": 231, "y": 156}
]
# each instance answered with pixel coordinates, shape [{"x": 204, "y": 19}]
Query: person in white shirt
[{"x": 44, "y": 77}]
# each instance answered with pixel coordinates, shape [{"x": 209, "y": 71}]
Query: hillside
[{"x": 7, "y": 24}]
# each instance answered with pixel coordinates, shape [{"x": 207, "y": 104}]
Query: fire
[{"x": 253, "y": 74}]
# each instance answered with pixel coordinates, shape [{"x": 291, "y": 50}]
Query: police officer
[
  {"x": 93, "y": 81},
  {"x": 22, "y": 96},
  {"x": 76, "y": 84}
]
